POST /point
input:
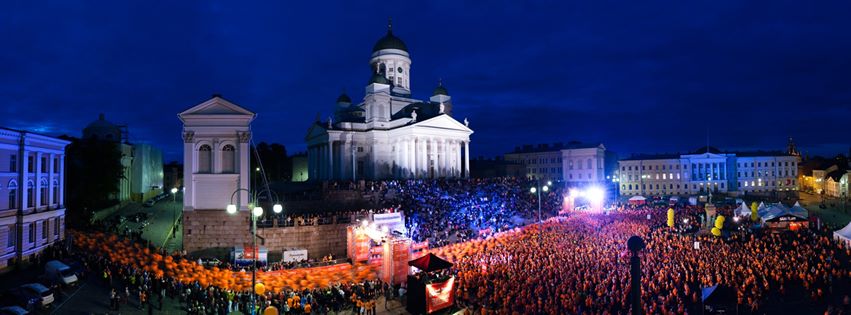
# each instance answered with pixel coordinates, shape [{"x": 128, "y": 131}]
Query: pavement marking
[{"x": 68, "y": 299}]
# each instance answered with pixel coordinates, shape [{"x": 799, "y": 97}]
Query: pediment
[
  {"x": 443, "y": 122},
  {"x": 216, "y": 106}
]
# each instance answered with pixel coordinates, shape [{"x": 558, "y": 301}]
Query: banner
[
  {"x": 439, "y": 295},
  {"x": 295, "y": 255},
  {"x": 393, "y": 221}
]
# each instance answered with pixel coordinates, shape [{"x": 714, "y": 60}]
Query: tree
[
  {"x": 274, "y": 160},
  {"x": 93, "y": 171}
]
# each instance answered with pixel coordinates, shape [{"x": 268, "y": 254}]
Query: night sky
[{"x": 638, "y": 76}]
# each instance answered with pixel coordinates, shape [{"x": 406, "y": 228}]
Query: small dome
[
  {"x": 343, "y": 98},
  {"x": 440, "y": 90},
  {"x": 378, "y": 78},
  {"x": 101, "y": 129}
]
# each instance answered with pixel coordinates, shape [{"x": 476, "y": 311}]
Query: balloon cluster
[
  {"x": 754, "y": 214},
  {"x": 719, "y": 224},
  {"x": 134, "y": 255},
  {"x": 671, "y": 217}
]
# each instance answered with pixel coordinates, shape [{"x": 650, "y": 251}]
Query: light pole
[
  {"x": 256, "y": 212},
  {"x": 635, "y": 244},
  {"x": 174, "y": 212},
  {"x": 535, "y": 189}
]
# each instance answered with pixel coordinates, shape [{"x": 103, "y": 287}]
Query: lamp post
[
  {"x": 635, "y": 244},
  {"x": 535, "y": 189},
  {"x": 256, "y": 212},
  {"x": 174, "y": 212}
]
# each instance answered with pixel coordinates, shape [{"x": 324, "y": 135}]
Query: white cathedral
[{"x": 390, "y": 134}]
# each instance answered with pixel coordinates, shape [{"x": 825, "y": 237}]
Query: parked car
[
  {"x": 149, "y": 203},
  {"x": 57, "y": 271},
  {"x": 40, "y": 292},
  {"x": 13, "y": 310},
  {"x": 22, "y": 298}
]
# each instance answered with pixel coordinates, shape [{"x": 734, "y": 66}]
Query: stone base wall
[{"x": 215, "y": 231}]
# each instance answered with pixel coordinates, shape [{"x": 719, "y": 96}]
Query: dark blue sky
[{"x": 638, "y": 76}]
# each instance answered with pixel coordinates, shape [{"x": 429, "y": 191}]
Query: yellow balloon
[{"x": 259, "y": 288}]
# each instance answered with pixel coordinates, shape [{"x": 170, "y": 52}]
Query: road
[{"x": 834, "y": 213}]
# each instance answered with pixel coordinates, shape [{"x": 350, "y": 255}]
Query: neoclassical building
[
  {"x": 143, "y": 163},
  {"x": 389, "y": 134},
  {"x": 575, "y": 163},
  {"x": 709, "y": 170},
  {"x": 216, "y": 136},
  {"x": 32, "y": 186}
]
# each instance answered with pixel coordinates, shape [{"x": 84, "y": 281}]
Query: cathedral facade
[{"x": 389, "y": 134}]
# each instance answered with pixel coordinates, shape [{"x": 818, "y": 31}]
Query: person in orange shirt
[{"x": 307, "y": 308}]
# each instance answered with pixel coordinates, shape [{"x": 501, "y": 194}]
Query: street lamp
[
  {"x": 256, "y": 212},
  {"x": 174, "y": 194},
  {"x": 534, "y": 190}
]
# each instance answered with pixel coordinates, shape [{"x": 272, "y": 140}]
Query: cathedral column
[
  {"x": 444, "y": 159},
  {"x": 467, "y": 159},
  {"x": 331, "y": 159},
  {"x": 412, "y": 151},
  {"x": 405, "y": 167}
]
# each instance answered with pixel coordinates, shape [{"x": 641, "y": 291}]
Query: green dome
[
  {"x": 378, "y": 78},
  {"x": 390, "y": 42},
  {"x": 440, "y": 90},
  {"x": 343, "y": 98}
]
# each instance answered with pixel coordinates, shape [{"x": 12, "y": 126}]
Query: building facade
[
  {"x": 708, "y": 170},
  {"x": 574, "y": 163},
  {"x": 32, "y": 186},
  {"x": 143, "y": 163},
  {"x": 389, "y": 134}
]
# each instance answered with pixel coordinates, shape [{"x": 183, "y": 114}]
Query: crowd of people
[
  {"x": 449, "y": 211},
  {"x": 580, "y": 264},
  {"x": 575, "y": 263}
]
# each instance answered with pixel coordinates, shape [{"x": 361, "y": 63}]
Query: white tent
[
  {"x": 744, "y": 210},
  {"x": 774, "y": 210},
  {"x": 637, "y": 198},
  {"x": 844, "y": 234}
]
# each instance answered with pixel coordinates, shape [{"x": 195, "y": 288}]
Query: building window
[
  {"x": 44, "y": 195},
  {"x": 30, "y": 195},
  {"x": 31, "y": 233},
  {"x": 228, "y": 159},
  {"x": 13, "y": 163},
  {"x": 13, "y": 195},
  {"x": 55, "y": 193},
  {"x": 56, "y": 165},
  {"x": 56, "y": 227},
  {"x": 360, "y": 149},
  {"x": 44, "y": 229},
  {"x": 30, "y": 162},
  {"x": 205, "y": 159},
  {"x": 44, "y": 164},
  {"x": 11, "y": 236}
]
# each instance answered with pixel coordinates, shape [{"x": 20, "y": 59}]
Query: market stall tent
[
  {"x": 744, "y": 210},
  {"x": 844, "y": 234}
]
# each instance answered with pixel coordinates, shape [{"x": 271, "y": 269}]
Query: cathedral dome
[
  {"x": 440, "y": 90},
  {"x": 102, "y": 129},
  {"x": 343, "y": 98},
  {"x": 390, "y": 41}
]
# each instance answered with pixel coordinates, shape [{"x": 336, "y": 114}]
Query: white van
[{"x": 59, "y": 272}]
